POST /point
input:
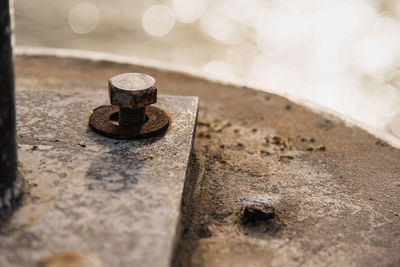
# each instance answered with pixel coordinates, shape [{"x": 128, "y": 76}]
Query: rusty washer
[{"x": 129, "y": 116}]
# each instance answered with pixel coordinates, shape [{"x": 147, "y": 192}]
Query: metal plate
[{"x": 119, "y": 200}]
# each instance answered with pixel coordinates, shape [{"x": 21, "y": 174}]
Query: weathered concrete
[
  {"x": 119, "y": 200},
  {"x": 328, "y": 193}
]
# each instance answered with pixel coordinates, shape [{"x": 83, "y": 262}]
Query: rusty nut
[{"x": 132, "y": 90}]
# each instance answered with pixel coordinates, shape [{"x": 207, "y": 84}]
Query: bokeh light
[
  {"x": 218, "y": 68},
  {"x": 189, "y": 11},
  {"x": 158, "y": 20},
  {"x": 344, "y": 55},
  {"x": 337, "y": 21},
  {"x": 395, "y": 125},
  {"x": 243, "y": 10},
  {"x": 372, "y": 54},
  {"x": 84, "y": 18},
  {"x": 241, "y": 57},
  {"x": 219, "y": 27},
  {"x": 280, "y": 28},
  {"x": 397, "y": 10}
]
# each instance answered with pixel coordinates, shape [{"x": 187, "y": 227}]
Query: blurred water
[{"x": 341, "y": 54}]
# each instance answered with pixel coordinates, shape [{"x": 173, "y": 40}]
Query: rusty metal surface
[
  {"x": 333, "y": 189},
  {"x": 132, "y": 90},
  {"x": 156, "y": 124}
]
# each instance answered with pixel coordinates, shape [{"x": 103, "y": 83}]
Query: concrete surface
[
  {"x": 119, "y": 200},
  {"x": 272, "y": 183}
]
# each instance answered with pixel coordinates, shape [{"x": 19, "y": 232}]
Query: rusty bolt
[
  {"x": 132, "y": 92},
  {"x": 130, "y": 97}
]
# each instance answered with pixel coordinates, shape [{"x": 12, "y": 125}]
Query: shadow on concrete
[{"x": 119, "y": 167}]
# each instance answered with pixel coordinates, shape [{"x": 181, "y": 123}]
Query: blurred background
[{"x": 342, "y": 54}]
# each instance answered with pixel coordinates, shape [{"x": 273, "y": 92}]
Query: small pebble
[
  {"x": 264, "y": 152},
  {"x": 285, "y": 158}
]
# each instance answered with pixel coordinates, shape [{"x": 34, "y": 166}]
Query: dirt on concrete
[{"x": 271, "y": 182}]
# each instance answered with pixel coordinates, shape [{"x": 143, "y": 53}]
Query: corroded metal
[
  {"x": 8, "y": 155},
  {"x": 129, "y": 94},
  {"x": 131, "y": 117},
  {"x": 104, "y": 120},
  {"x": 132, "y": 90}
]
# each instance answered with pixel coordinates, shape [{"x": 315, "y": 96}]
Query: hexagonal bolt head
[{"x": 132, "y": 90}]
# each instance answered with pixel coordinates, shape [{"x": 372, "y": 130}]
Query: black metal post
[{"x": 8, "y": 152}]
